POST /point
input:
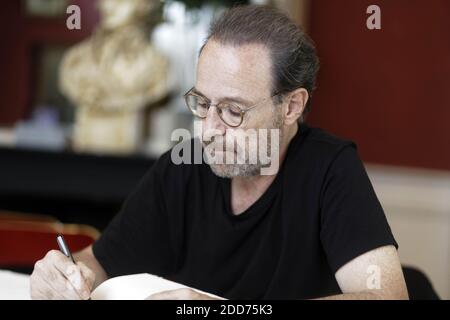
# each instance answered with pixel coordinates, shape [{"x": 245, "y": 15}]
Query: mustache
[
  {"x": 222, "y": 144},
  {"x": 240, "y": 142}
]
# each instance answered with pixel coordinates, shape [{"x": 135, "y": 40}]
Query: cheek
[{"x": 263, "y": 118}]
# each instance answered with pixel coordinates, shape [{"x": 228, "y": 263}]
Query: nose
[{"x": 213, "y": 125}]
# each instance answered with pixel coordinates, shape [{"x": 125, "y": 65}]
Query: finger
[
  {"x": 43, "y": 291},
  {"x": 71, "y": 272},
  {"x": 88, "y": 275},
  {"x": 50, "y": 293},
  {"x": 39, "y": 290},
  {"x": 60, "y": 284},
  {"x": 56, "y": 284}
]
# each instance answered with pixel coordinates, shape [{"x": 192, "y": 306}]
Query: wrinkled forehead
[{"x": 227, "y": 69}]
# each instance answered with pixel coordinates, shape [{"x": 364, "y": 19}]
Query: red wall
[
  {"x": 13, "y": 63},
  {"x": 388, "y": 89},
  {"x": 21, "y": 38}
]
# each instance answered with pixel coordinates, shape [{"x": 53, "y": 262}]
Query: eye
[
  {"x": 202, "y": 104},
  {"x": 234, "y": 110}
]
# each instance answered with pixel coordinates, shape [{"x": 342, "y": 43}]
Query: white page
[
  {"x": 14, "y": 286},
  {"x": 135, "y": 287}
]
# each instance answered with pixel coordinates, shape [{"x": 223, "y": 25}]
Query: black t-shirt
[{"x": 319, "y": 213}]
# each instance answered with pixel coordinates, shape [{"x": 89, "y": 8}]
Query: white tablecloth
[{"x": 14, "y": 286}]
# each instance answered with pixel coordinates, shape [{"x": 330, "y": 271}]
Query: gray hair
[{"x": 293, "y": 54}]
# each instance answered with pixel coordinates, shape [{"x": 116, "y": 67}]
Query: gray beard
[
  {"x": 235, "y": 170},
  {"x": 248, "y": 169}
]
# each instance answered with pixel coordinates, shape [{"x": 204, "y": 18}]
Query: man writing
[{"x": 314, "y": 229}]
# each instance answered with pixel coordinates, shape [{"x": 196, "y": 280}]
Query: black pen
[{"x": 64, "y": 247}]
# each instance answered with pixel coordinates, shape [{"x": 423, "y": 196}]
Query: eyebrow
[{"x": 236, "y": 99}]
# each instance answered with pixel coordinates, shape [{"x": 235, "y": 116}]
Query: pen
[{"x": 64, "y": 247}]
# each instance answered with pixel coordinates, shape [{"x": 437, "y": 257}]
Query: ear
[{"x": 296, "y": 103}]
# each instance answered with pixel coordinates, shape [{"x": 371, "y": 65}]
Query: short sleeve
[
  {"x": 137, "y": 239},
  {"x": 352, "y": 219}
]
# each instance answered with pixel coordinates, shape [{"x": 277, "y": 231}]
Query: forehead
[{"x": 237, "y": 70}]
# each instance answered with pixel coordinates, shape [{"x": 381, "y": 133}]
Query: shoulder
[
  {"x": 317, "y": 146},
  {"x": 316, "y": 156},
  {"x": 324, "y": 141}
]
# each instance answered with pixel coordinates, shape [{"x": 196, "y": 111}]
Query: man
[{"x": 313, "y": 229}]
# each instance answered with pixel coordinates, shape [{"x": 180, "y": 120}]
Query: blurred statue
[{"x": 113, "y": 75}]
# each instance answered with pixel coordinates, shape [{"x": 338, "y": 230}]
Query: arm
[{"x": 374, "y": 275}]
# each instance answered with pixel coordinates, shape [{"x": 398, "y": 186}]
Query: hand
[
  {"x": 57, "y": 277},
  {"x": 180, "y": 294}
]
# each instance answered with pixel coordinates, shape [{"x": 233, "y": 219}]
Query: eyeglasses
[{"x": 231, "y": 114}]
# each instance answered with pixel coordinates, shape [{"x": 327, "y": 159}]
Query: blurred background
[{"x": 90, "y": 97}]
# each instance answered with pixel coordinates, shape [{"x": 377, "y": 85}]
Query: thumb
[{"x": 88, "y": 275}]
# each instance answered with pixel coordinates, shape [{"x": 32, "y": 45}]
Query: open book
[{"x": 136, "y": 287}]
